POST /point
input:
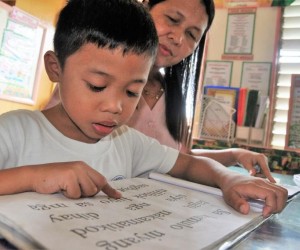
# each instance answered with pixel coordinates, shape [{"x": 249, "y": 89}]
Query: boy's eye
[
  {"x": 132, "y": 94},
  {"x": 95, "y": 88}
]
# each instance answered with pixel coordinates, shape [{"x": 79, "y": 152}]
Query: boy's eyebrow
[
  {"x": 99, "y": 72},
  {"x": 140, "y": 81}
]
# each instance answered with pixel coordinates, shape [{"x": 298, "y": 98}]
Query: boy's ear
[{"x": 52, "y": 66}]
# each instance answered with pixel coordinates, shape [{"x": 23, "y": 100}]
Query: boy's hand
[
  {"x": 73, "y": 179},
  {"x": 237, "y": 191}
]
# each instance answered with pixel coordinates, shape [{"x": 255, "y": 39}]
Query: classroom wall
[
  {"x": 46, "y": 11},
  {"x": 265, "y": 45}
]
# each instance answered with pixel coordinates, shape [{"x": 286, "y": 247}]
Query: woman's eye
[
  {"x": 95, "y": 88},
  {"x": 173, "y": 20},
  {"x": 190, "y": 34}
]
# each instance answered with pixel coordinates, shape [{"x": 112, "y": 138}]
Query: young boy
[{"x": 104, "y": 50}]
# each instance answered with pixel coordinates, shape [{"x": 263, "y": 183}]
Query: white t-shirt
[{"x": 28, "y": 138}]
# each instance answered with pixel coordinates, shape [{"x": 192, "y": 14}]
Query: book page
[
  {"x": 255, "y": 205},
  {"x": 150, "y": 215}
]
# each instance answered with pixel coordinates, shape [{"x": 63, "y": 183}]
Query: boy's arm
[
  {"x": 233, "y": 156},
  {"x": 236, "y": 188},
  {"x": 73, "y": 179}
]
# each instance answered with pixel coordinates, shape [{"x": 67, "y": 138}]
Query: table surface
[
  {"x": 284, "y": 179},
  {"x": 280, "y": 231}
]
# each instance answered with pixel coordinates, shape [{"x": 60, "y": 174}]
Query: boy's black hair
[
  {"x": 106, "y": 23},
  {"x": 181, "y": 81}
]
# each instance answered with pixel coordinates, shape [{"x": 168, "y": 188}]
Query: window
[{"x": 288, "y": 64}]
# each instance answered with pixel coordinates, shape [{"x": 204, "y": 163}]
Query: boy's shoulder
[{"x": 20, "y": 115}]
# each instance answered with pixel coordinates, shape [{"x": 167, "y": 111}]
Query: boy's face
[{"x": 99, "y": 91}]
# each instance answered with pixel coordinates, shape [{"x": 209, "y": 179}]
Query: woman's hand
[{"x": 255, "y": 163}]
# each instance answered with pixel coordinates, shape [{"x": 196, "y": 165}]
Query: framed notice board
[
  {"x": 293, "y": 126},
  {"x": 21, "y": 39},
  {"x": 240, "y": 33}
]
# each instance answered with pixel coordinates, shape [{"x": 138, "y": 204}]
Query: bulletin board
[
  {"x": 256, "y": 75},
  {"x": 248, "y": 39},
  {"x": 21, "y": 40},
  {"x": 240, "y": 33},
  {"x": 218, "y": 73},
  {"x": 293, "y": 125}
]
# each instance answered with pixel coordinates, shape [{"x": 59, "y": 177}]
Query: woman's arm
[{"x": 237, "y": 156}]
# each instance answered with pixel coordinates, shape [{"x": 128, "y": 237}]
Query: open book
[
  {"x": 150, "y": 215},
  {"x": 256, "y": 205}
]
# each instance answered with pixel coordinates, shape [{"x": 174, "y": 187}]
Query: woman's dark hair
[
  {"x": 106, "y": 23},
  {"x": 181, "y": 81}
]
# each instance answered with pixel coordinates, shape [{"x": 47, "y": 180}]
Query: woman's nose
[{"x": 176, "y": 37}]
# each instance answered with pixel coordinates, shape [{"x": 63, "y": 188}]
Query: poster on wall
[
  {"x": 293, "y": 124},
  {"x": 256, "y": 75},
  {"x": 3, "y": 21},
  {"x": 240, "y": 33},
  {"x": 19, "y": 55},
  {"x": 218, "y": 73}
]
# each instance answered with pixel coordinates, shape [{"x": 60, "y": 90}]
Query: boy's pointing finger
[{"x": 111, "y": 192}]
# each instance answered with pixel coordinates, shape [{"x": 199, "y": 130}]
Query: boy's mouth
[{"x": 104, "y": 128}]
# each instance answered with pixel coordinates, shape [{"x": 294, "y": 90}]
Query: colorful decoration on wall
[
  {"x": 280, "y": 161},
  {"x": 251, "y": 3}
]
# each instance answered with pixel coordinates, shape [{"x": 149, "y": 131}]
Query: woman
[
  {"x": 181, "y": 28},
  {"x": 161, "y": 112}
]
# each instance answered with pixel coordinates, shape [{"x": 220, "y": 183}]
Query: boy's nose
[{"x": 113, "y": 105}]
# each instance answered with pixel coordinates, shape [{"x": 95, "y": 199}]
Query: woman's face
[{"x": 180, "y": 25}]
